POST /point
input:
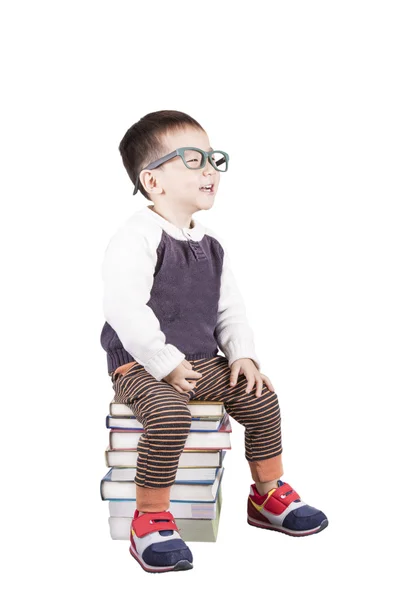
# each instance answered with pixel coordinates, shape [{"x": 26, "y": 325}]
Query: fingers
[
  {"x": 268, "y": 383},
  {"x": 180, "y": 382},
  {"x": 250, "y": 385},
  {"x": 183, "y": 386},
  {"x": 186, "y": 385},
  {"x": 234, "y": 374},
  {"x": 258, "y": 379},
  {"x": 193, "y": 375},
  {"x": 259, "y": 386}
]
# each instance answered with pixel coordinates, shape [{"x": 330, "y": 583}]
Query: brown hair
[{"x": 143, "y": 142}]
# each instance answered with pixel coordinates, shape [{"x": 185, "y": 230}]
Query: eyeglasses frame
[{"x": 180, "y": 152}]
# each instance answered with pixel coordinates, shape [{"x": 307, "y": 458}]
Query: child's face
[{"x": 179, "y": 185}]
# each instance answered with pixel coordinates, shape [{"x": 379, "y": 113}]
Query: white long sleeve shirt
[{"x": 170, "y": 294}]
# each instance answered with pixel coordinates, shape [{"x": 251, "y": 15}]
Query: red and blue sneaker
[
  {"x": 156, "y": 543},
  {"x": 282, "y": 509}
]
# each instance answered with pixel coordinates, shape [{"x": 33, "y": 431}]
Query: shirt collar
[{"x": 194, "y": 233}]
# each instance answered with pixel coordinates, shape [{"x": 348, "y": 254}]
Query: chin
[{"x": 205, "y": 203}]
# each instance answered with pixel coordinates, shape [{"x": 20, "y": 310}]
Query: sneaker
[
  {"x": 156, "y": 543},
  {"x": 282, "y": 509}
]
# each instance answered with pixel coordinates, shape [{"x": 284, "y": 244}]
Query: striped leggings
[{"x": 166, "y": 421}]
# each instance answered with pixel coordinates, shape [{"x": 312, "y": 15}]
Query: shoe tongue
[{"x": 280, "y": 483}]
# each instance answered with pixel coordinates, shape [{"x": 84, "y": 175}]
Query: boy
[{"x": 170, "y": 299}]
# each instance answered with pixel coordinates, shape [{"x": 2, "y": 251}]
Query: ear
[{"x": 149, "y": 181}]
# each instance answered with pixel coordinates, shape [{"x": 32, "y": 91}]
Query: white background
[{"x": 304, "y": 96}]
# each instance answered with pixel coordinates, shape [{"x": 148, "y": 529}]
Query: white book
[
  {"x": 195, "y": 474},
  {"x": 180, "y": 509},
  {"x": 189, "y": 492},
  {"x": 124, "y": 438},
  {"x": 197, "y": 423},
  {"x": 198, "y": 408},
  {"x": 188, "y": 458}
]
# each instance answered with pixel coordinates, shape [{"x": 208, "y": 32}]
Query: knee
[
  {"x": 271, "y": 402},
  {"x": 175, "y": 416},
  {"x": 266, "y": 397},
  {"x": 259, "y": 408},
  {"x": 179, "y": 412}
]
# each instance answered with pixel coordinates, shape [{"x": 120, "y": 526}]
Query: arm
[
  {"x": 127, "y": 271},
  {"x": 233, "y": 332}
]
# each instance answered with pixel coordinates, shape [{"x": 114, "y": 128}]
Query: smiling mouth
[{"x": 208, "y": 189}]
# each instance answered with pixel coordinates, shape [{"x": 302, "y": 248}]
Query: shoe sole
[
  {"x": 181, "y": 565},
  {"x": 263, "y": 525}
]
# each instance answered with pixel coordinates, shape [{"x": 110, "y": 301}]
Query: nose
[{"x": 209, "y": 169}]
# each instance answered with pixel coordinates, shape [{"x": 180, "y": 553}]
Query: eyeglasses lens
[
  {"x": 193, "y": 159},
  {"x": 220, "y": 161}
]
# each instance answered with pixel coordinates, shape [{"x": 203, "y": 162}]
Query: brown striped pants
[{"x": 166, "y": 420}]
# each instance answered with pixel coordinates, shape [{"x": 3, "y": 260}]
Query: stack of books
[{"x": 196, "y": 495}]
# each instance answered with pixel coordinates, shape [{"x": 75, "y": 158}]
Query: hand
[
  {"x": 247, "y": 367},
  {"x": 178, "y": 377}
]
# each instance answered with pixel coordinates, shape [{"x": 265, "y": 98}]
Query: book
[
  {"x": 196, "y": 494},
  {"x": 188, "y": 458},
  {"x": 187, "y": 491},
  {"x": 179, "y": 508},
  {"x": 216, "y": 440},
  {"x": 190, "y": 529},
  {"x": 183, "y": 510},
  {"x": 198, "y": 408},
  {"x": 186, "y": 475},
  {"x": 197, "y": 424}
]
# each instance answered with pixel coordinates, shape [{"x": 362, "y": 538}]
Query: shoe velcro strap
[
  {"x": 145, "y": 523},
  {"x": 287, "y": 498}
]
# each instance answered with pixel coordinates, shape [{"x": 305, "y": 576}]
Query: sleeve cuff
[
  {"x": 242, "y": 349},
  {"x": 165, "y": 361}
]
